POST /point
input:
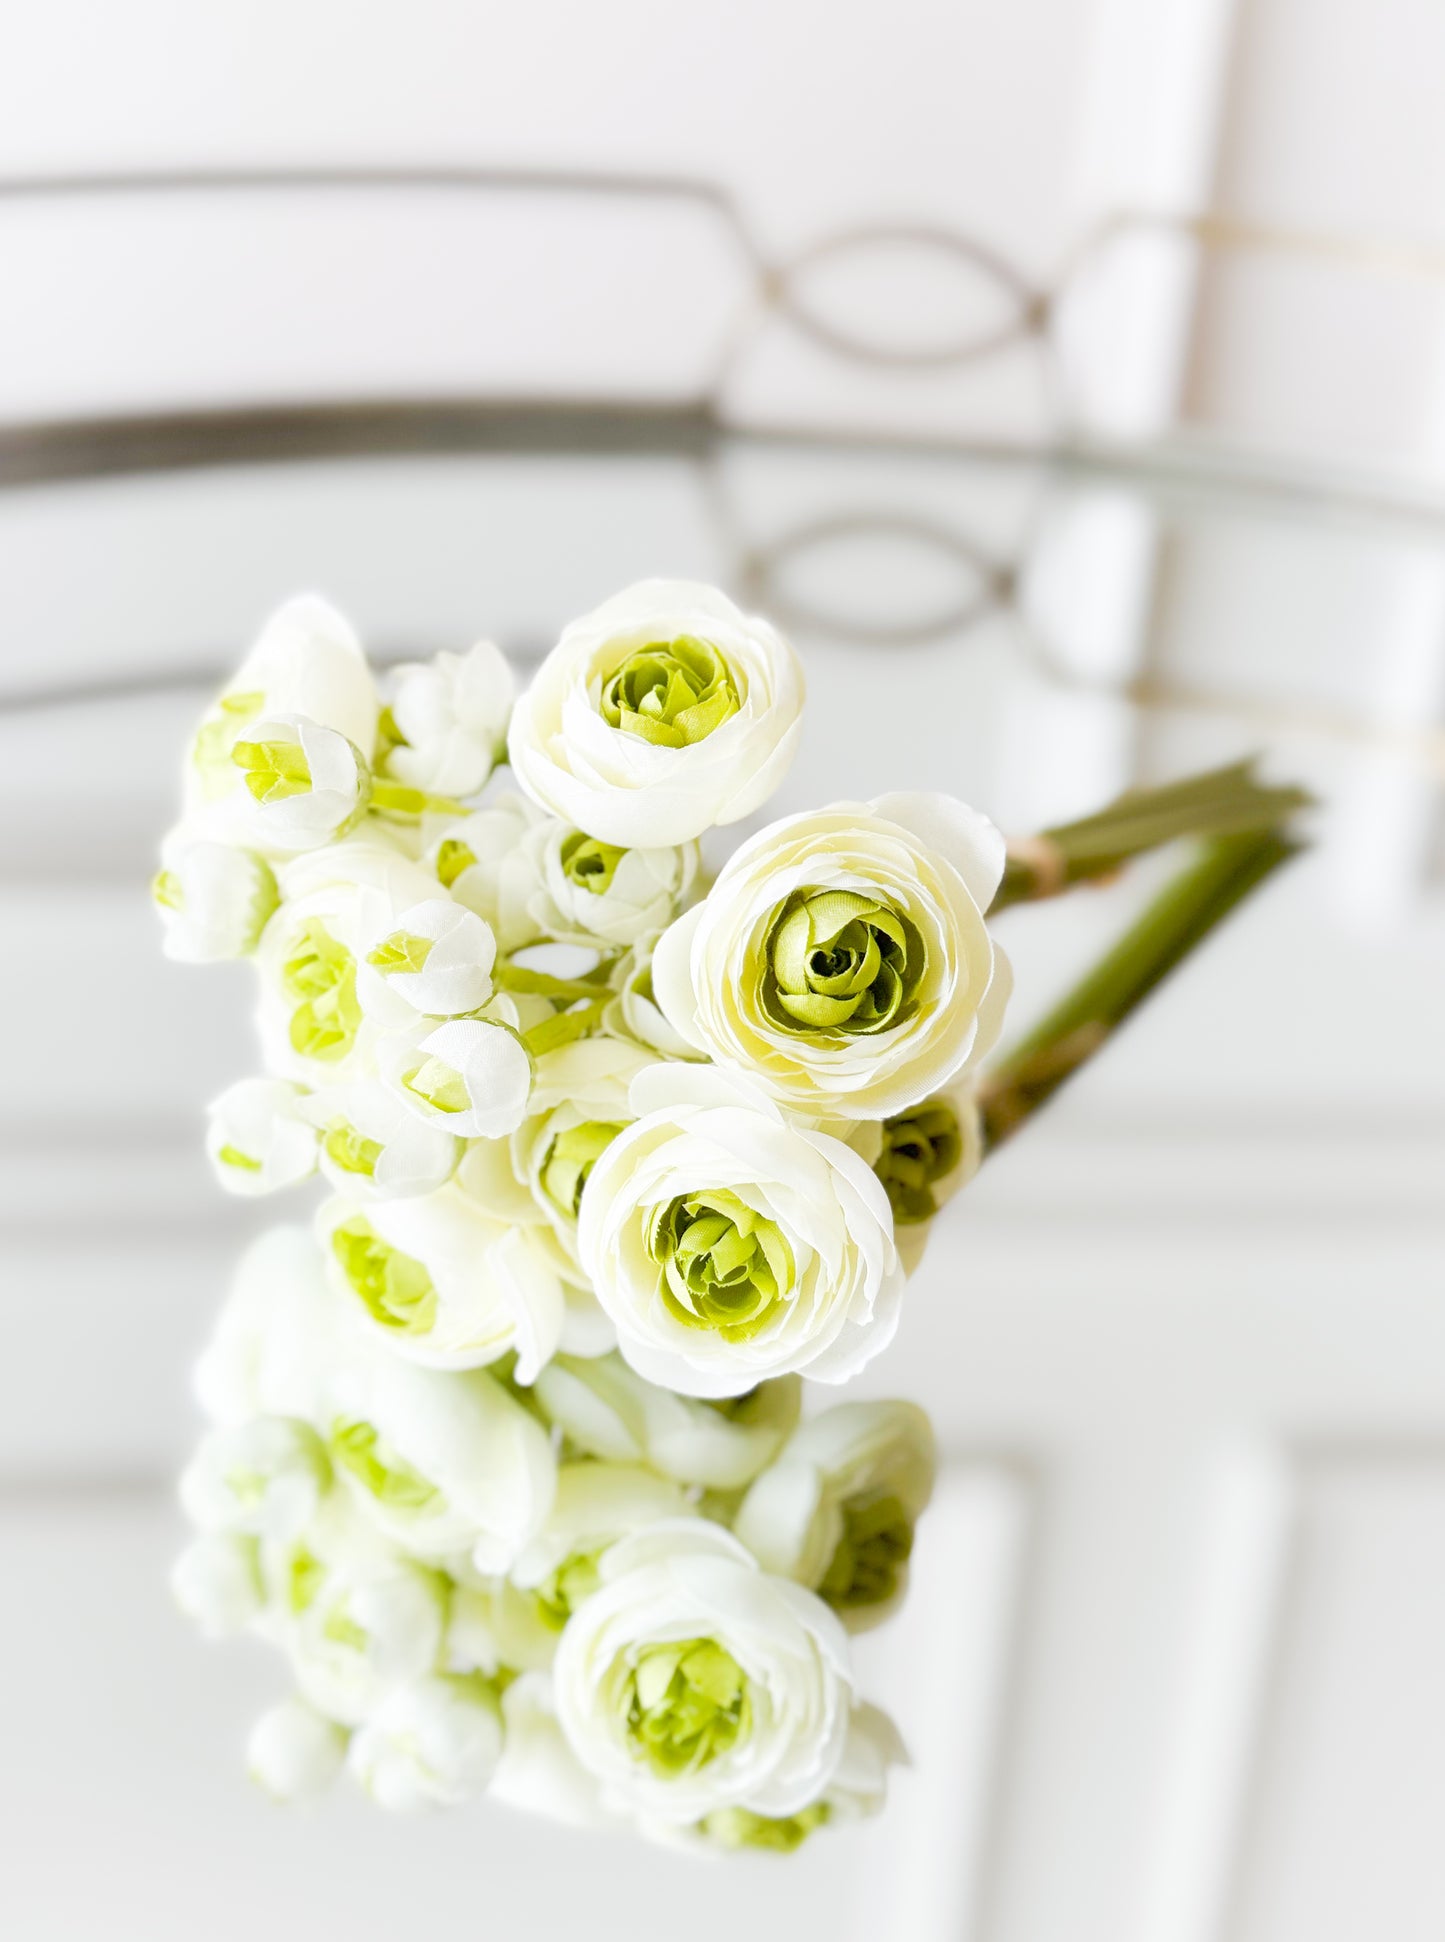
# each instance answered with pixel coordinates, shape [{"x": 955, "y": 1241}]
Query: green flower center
[
  {"x": 357, "y": 1448},
  {"x": 440, "y": 1085},
  {"x": 739, "y": 1827},
  {"x": 589, "y": 864},
  {"x": 725, "y": 1266},
  {"x": 872, "y": 1552},
  {"x": 347, "y": 1149},
  {"x": 394, "y": 1288},
  {"x": 232, "y": 1156},
  {"x": 453, "y": 858},
  {"x": 167, "y": 891},
  {"x": 304, "y": 1578},
  {"x": 320, "y": 975},
  {"x": 840, "y": 962},
  {"x": 920, "y": 1147},
  {"x": 570, "y": 1159},
  {"x": 273, "y": 770},
  {"x": 671, "y": 693},
  {"x": 688, "y": 1703},
  {"x": 402, "y": 951},
  {"x": 574, "y": 1580}
]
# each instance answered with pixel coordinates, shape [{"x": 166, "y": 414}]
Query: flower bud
[
  {"x": 433, "y": 1743},
  {"x": 258, "y": 1139},
  {"x": 214, "y": 900},
  {"x": 293, "y": 1753}
]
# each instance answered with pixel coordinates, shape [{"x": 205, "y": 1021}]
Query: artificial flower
[
  {"x": 837, "y": 1510},
  {"x": 258, "y": 1137},
  {"x": 447, "y": 719},
  {"x": 690, "y": 1681},
  {"x": 663, "y": 712},
  {"x": 841, "y": 959},
  {"x": 729, "y": 1245}
]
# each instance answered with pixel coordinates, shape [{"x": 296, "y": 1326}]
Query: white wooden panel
[{"x": 1349, "y": 1786}]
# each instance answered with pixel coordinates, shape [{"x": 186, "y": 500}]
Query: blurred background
[{"x": 1067, "y": 377}]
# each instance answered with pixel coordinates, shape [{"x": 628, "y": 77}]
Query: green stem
[
  {"x": 399, "y": 799},
  {"x": 1225, "y": 802},
  {"x": 1188, "y": 909},
  {"x": 541, "y": 984}
]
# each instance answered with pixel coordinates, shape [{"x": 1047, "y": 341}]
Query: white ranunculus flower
[
  {"x": 274, "y": 1342},
  {"x": 335, "y": 904},
  {"x": 214, "y": 900},
  {"x": 293, "y": 1753},
  {"x": 436, "y": 957},
  {"x": 690, "y": 1681},
  {"x": 217, "y": 1583},
  {"x": 594, "y": 892},
  {"x": 308, "y": 662},
  {"x": 634, "y": 1012},
  {"x": 266, "y": 1477},
  {"x": 449, "y": 716},
  {"x": 298, "y": 787},
  {"x": 663, "y": 712},
  {"x": 539, "y": 1773},
  {"x": 443, "y": 1285},
  {"x": 611, "y": 1412},
  {"x": 432, "y": 1743},
  {"x": 841, "y": 959},
  {"x": 729, "y": 1245},
  {"x": 596, "y": 1504},
  {"x": 372, "y": 1147},
  {"x": 470, "y": 1076},
  {"x": 355, "y": 1617},
  {"x": 578, "y": 1104},
  {"x": 444, "y": 1465},
  {"x": 258, "y": 1138},
  {"x": 837, "y": 1510},
  {"x": 489, "y": 862}
]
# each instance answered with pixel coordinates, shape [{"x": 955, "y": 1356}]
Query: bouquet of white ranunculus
[{"x": 507, "y": 1453}]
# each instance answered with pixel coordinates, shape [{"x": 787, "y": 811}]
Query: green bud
[
  {"x": 671, "y": 693},
  {"x": 920, "y": 1148}
]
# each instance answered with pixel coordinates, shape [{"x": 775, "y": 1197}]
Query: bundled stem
[
  {"x": 1225, "y": 802},
  {"x": 1190, "y": 907}
]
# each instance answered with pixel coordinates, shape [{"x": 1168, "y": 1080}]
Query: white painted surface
[{"x": 1171, "y": 1672}]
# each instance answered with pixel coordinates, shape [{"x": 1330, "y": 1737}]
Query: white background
[{"x": 1172, "y": 1668}]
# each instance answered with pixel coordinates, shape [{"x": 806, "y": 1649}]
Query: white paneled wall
[{"x": 1170, "y": 1671}]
